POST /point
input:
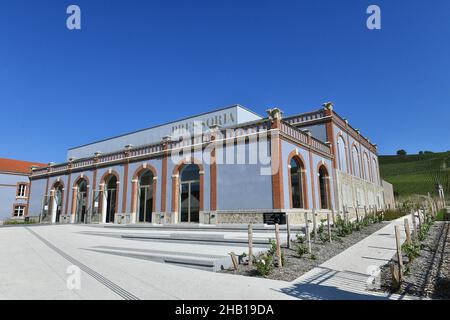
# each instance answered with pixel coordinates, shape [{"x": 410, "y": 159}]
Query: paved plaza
[{"x": 165, "y": 263}]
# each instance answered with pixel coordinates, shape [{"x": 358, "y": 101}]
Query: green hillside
[{"x": 418, "y": 173}]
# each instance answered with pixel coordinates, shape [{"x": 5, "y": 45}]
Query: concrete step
[
  {"x": 201, "y": 227},
  {"x": 200, "y": 238},
  {"x": 204, "y": 262}
]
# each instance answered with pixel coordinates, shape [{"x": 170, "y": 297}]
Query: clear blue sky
[{"x": 140, "y": 63}]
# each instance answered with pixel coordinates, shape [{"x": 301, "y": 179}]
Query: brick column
[
  {"x": 50, "y": 205},
  {"x": 134, "y": 186},
  {"x": 328, "y": 106},
  {"x": 94, "y": 180},
  {"x": 276, "y": 158},
  {"x": 312, "y": 171},
  {"x": 125, "y": 178},
  {"x": 74, "y": 204},
  {"x": 213, "y": 168},
  {"x": 165, "y": 147}
]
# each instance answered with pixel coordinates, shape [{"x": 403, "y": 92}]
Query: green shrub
[
  {"x": 343, "y": 228},
  {"x": 300, "y": 238},
  {"x": 357, "y": 226},
  {"x": 321, "y": 233},
  {"x": 273, "y": 247},
  {"x": 264, "y": 266},
  {"x": 379, "y": 217},
  {"x": 11, "y": 222},
  {"x": 301, "y": 250},
  {"x": 412, "y": 250}
]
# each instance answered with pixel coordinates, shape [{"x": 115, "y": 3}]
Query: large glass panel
[
  {"x": 81, "y": 207},
  {"x": 111, "y": 205},
  {"x": 145, "y": 196},
  {"x": 194, "y": 202},
  {"x": 45, "y": 208},
  {"x": 142, "y": 204},
  {"x": 58, "y": 200},
  {"x": 145, "y": 203},
  {"x": 184, "y": 201},
  {"x": 95, "y": 217},
  {"x": 148, "y": 204},
  {"x": 296, "y": 185},
  {"x": 323, "y": 189}
]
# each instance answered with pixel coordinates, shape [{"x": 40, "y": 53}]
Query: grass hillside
[{"x": 417, "y": 173}]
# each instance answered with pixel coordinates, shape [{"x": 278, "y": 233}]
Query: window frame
[
  {"x": 15, "y": 207},
  {"x": 24, "y": 194}
]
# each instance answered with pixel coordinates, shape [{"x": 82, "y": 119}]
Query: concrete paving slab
[{"x": 35, "y": 259}]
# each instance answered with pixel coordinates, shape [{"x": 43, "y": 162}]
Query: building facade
[
  {"x": 226, "y": 166},
  {"x": 14, "y": 188},
  {"x": 388, "y": 192}
]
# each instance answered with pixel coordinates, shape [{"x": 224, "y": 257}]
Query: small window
[
  {"x": 22, "y": 190},
  {"x": 19, "y": 211}
]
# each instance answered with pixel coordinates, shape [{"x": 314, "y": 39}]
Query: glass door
[
  {"x": 81, "y": 207},
  {"x": 189, "y": 201},
  {"x": 194, "y": 200},
  {"x": 111, "y": 205},
  {"x": 58, "y": 201},
  {"x": 145, "y": 204}
]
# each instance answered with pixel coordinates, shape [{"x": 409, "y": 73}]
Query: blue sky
[{"x": 140, "y": 63}]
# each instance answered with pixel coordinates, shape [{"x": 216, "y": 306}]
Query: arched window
[
  {"x": 81, "y": 201},
  {"x": 110, "y": 197},
  {"x": 56, "y": 205},
  {"x": 375, "y": 172},
  {"x": 342, "y": 154},
  {"x": 145, "y": 196},
  {"x": 190, "y": 193},
  {"x": 298, "y": 180},
  {"x": 324, "y": 188},
  {"x": 355, "y": 157},
  {"x": 366, "y": 167}
]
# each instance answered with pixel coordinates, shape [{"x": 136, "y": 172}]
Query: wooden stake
[
  {"x": 314, "y": 225},
  {"x": 357, "y": 215},
  {"x": 234, "y": 260},
  {"x": 308, "y": 238},
  {"x": 333, "y": 216},
  {"x": 277, "y": 237},
  {"x": 413, "y": 218},
  {"x": 250, "y": 245},
  {"x": 395, "y": 276},
  {"x": 407, "y": 231},
  {"x": 288, "y": 229},
  {"x": 329, "y": 227},
  {"x": 365, "y": 212},
  {"x": 420, "y": 219},
  {"x": 399, "y": 253}
]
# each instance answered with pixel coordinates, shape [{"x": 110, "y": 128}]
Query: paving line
[{"x": 94, "y": 274}]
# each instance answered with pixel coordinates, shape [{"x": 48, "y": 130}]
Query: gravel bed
[
  {"x": 428, "y": 275},
  {"x": 294, "y": 266}
]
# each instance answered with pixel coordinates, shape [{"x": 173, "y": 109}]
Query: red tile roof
[{"x": 19, "y": 166}]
